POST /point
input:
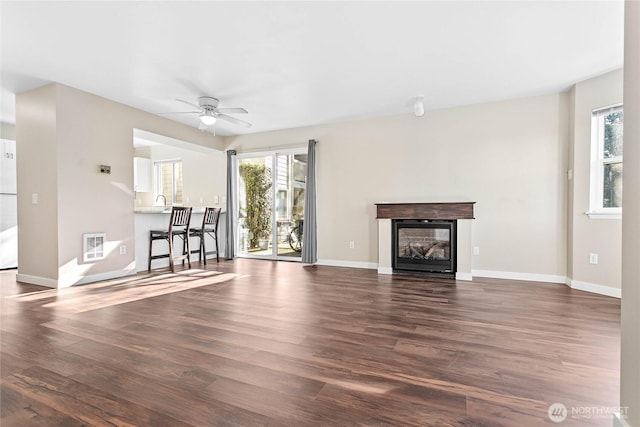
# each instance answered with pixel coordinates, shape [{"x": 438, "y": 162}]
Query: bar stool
[
  {"x": 178, "y": 226},
  {"x": 210, "y": 227}
]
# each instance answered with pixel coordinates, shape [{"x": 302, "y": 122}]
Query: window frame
[
  {"x": 158, "y": 184},
  {"x": 597, "y": 210}
]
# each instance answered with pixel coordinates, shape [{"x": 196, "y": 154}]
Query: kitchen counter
[
  {"x": 147, "y": 219},
  {"x": 163, "y": 210}
]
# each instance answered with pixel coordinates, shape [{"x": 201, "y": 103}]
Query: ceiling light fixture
[
  {"x": 207, "y": 118},
  {"x": 418, "y": 106}
]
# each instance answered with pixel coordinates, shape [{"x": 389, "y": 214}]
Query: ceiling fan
[{"x": 209, "y": 113}]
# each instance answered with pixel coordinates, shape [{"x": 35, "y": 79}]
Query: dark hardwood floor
[{"x": 253, "y": 342}]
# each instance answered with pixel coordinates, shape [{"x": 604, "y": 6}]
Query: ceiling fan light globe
[{"x": 207, "y": 119}]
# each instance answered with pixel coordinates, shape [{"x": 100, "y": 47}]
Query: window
[
  {"x": 606, "y": 163},
  {"x": 168, "y": 179}
]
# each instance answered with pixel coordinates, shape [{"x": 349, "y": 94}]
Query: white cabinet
[{"x": 141, "y": 174}]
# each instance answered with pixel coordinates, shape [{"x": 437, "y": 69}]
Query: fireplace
[
  {"x": 434, "y": 238},
  {"x": 427, "y": 246}
]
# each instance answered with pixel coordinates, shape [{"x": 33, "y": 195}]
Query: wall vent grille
[{"x": 93, "y": 246}]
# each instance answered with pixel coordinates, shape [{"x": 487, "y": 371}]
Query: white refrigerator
[{"x": 8, "y": 206}]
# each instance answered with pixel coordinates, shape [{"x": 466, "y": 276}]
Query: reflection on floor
[{"x": 129, "y": 289}]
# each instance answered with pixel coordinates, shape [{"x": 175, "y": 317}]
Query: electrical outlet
[
  {"x": 123, "y": 249},
  {"x": 216, "y": 199},
  {"x": 352, "y": 244},
  {"x": 476, "y": 250},
  {"x": 593, "y": 258},
  {"x": 34, "y": 198},
  {"x": 201, "y": 200},
  {"x": 189, "y": 200}
]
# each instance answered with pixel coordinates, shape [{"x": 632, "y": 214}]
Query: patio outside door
[{"x": 271, "y": 194}]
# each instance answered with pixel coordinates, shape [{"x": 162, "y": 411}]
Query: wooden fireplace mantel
[{"x": 440, "y": 210}]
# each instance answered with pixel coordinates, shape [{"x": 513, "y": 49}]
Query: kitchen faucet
[{"x": 164, "y": 198}]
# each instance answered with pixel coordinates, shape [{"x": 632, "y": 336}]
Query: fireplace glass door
[{"x": 423, "y": 245}]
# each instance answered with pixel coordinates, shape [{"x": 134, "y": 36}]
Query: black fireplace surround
[{"x": 424, "y": 246}]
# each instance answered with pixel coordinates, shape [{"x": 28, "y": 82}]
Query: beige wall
[
  {"x": 60, "y": 161},
  {"x": 630, "y": 369},
  {"x": 204, "y": 174},
  {"x": 601, "y": 236},
  {"x": 91, "y": 202},
  {"x": 510, "y": 157},
  {"x": 37, "y": 168}
]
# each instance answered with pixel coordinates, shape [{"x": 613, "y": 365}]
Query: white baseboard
[
  {"x": 97, "y": 277},
  {"x": 83, "y": 280},
  {"x": 464, "y": 276},
  {"x": 549, "y": 278},
  {"x": 619, "y": 421},
  {"x": 385, "y": 270},
  {"x": 352, "y": 264},
  {"x": 533, "y": 277},
  {"x": 595, "y": 288},
  {"x": 36, "y": 280}
]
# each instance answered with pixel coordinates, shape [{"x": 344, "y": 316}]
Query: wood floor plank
[
  {"x": 182, "y": 402},
  {"x": 81, "y": 402},
  {"x": 259, "y": 343},
  {"x": 18, "y": 409},
  {"x": 422, "y": 408}
]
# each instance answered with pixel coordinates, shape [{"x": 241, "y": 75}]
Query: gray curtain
[
  {"x": 309, "y": 227},
  {"x": 231, "y": 204}
]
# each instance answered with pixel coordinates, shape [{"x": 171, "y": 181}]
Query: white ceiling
[{"x": 293, "y": 64}]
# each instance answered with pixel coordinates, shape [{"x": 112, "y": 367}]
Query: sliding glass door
[
  {"x": 271, "y": 192},
  {"x": 289, "y": 203},
  {"x": 255, "y": 197}
]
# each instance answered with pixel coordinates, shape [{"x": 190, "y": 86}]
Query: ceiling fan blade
[
  {"x": 190, "y": 103},
  {"x": 234, "y": 120},
  {"x": 236, "y": 110},
  {"x": 181, "y": 112}
]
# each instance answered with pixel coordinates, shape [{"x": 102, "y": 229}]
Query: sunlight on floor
[
  {"x": 380, "y": 388},
  {"x": 85, "y": 298}
]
